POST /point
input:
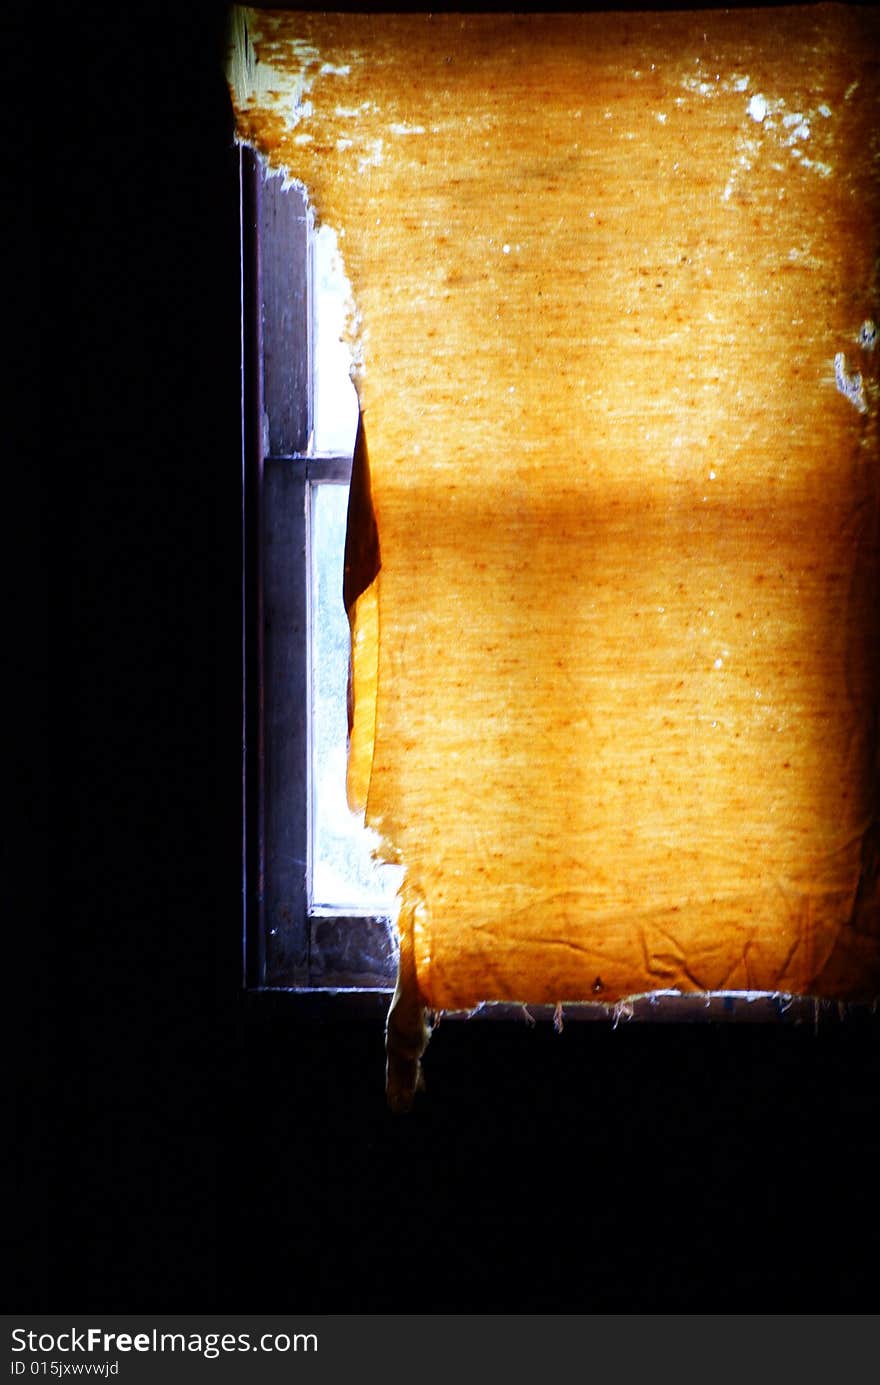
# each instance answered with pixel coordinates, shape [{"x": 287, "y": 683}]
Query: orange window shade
[{"x": 616, "y": 681}]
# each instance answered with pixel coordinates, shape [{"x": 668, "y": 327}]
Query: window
[
  {"x": 623, "y": 737},
  {"x": 320, "y": 909}
]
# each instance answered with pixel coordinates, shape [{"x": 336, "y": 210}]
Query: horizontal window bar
[{"x": 315, "y": 468}]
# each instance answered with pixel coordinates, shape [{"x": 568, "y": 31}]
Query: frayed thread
[{"x": 623, "y": 1010}]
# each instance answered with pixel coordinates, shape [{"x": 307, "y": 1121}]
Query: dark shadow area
[{"x": 177, "y": 1155}]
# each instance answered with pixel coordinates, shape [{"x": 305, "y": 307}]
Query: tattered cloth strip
[{"x": 616, "y": 681}]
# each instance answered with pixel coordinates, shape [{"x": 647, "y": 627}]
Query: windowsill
[{"x": 316, "y": 1004}]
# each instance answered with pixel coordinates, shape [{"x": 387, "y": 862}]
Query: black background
[{"x": 177, "y": 1155}]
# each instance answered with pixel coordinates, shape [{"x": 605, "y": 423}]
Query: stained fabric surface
[{"x": 616, "y": 678}]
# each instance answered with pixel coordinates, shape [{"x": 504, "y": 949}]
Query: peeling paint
[
  {"x": 786, "y": 131},
  {"x": 801, "y": 130},
  {"x": 757, "y": 108},
  {"x": 824, "y": 170},
  {"x": 850, "y": 386}
]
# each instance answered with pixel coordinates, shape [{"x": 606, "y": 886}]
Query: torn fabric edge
[
  {"x": 362, "y": 562},
  {"x": 670, "y": 1006},
  {"x": 407, "y": 1029}
]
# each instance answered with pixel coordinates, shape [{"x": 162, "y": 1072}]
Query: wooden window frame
[{"x": 289, "y": 944}]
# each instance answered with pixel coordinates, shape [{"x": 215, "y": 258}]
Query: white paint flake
[
  {"x": 373, "y": 157},
  {"x": 850, "y": 386},
  {"x": 798, "y": 126},
  {"x": 758, "y": 108},
  {"x": 778, "y": 130},
  {"x": 824, "y": 170}
]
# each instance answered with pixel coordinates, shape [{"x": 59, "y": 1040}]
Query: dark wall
[{"x": 181, "y": 1156}]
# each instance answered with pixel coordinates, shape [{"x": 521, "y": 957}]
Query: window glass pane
[
  {"x": 343, "y": 871},
  {"x": 335, "y": 401}
]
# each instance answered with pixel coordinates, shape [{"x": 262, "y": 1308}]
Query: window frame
[
  {"x": 323, "y": 956},
  {"x": 289, "y": 943}
]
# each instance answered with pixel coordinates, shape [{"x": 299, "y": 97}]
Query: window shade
[{"x": 613, "y": 542}]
